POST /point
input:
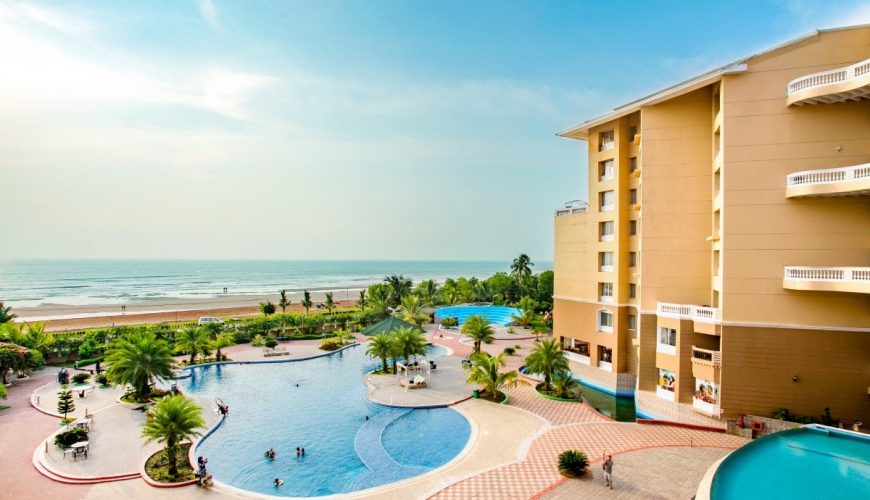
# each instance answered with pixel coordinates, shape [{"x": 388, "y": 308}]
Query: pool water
[
  {"x": 325, "y": 414},
  {"x": 496, "y": 315},
  {"x": 619, "y": 408},
  {"x": 810, "y": 462}
]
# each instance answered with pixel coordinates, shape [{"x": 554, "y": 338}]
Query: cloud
[{"x": 209, "y": 12}]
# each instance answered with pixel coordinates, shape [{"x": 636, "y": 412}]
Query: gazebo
[{"x": 389, "y": 325}]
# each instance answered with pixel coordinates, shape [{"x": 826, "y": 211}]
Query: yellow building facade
[{"x": 721, "y": 264}]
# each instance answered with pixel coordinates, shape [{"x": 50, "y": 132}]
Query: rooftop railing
[
  {"x": 829, "y": 77},
  {"x": 703, "y": 314},
  {"x": 573, "y": 207}
]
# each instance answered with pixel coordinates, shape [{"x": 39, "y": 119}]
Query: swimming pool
[
  {"x": 496, "y": 315},
  {"x": 619, "y": 408},
  {"x": 325, "y": 414},
  {"x": 810, "y": 462}
]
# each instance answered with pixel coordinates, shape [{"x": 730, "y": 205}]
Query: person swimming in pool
[
  {"x": 278, "y": 482},
  {"x": 270, "y": 453}
]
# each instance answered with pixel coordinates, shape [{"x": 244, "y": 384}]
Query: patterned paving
[{"x": 537, "y": 471}]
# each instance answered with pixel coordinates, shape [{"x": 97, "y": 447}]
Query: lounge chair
[{"x": 417, "y": 382}]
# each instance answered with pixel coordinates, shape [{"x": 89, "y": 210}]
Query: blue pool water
[
  {"x": 811, "y": 462},
  {"x": 325, "y": 415},
  {"x": 497, "y": 315}
]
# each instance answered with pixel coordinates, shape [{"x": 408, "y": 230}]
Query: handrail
[
  {"x": 703, "y": 314},
  {"x": 829, "y": 77},
  {"x": 841, "y": 274},
  {"x": 709, "y": 355},
  {"x": 829, "y": 175}
]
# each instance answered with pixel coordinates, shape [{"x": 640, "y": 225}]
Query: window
[
  {"x": 605, "y": 260},
  {"x": 667, "y": 384},
  {"x": 575, "y": 346},
  {"x": 605, "y": 358},
  {"x": 632, "y": 291},
  {"x": 605, "y": 200},
  {"x": 605, "y": 170},
  {"x": 631, "y": 133},
  {"x": 667, "y": 341},
  {"x": 632, "y": 227},
  {"x": 606, "y": 230},
  {"x": 632, "y": 322},
  {"x": 605, "y": 140},
  {"x": 632, "y": 196},
  {"x": 632, "y": 259},
  {"x": 632, "y": 164},
  {"x": 605, "y": 290},
  {"x": 605, "y": 321}
]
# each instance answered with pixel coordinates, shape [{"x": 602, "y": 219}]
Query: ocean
[{"x": 32, "y": 283}]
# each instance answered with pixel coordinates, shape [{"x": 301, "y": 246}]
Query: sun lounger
[{"x": 417, "y": 382}]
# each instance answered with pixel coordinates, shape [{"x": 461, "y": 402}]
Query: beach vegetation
[
  {"x": 283, "y": 301},
  {"x": 429, "y": 293},
  {"x": 362, "y": 301},
  {"x": 139, "y": 359},
  {"x": 486, "y": 371},
  {"x": 521, "y": 269},
  {"x": 411, "y": 310},
  {"x": 399, "y": 287},
  {"x": 306, "y": 301},
  {"x": 191, "y": 340},
  {"x": 6, "y": 314},
  {"x": 171, "y": 421},
  {"x": 478, "y": 329},
  {"x": 547, "y": 359},
  {"x": 329, "y": 303},
  {"x": 573, "y": 463},
  {"x": 220, "y": 341},
  {"x": 267, "y": 308}
]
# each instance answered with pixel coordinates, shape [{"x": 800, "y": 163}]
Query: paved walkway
[
  {"x": 658, "y": 473},
  {"x": 445, "y": 385}
]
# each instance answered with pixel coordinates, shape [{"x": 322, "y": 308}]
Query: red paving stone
[{"x": 22, "y": 429}]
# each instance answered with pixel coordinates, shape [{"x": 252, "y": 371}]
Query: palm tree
[
  {"x": 362, "y": 302},
  {"x": 486, "y": 372},
  {"x": 565, "y": 385},
  {"x": 409, "y": 342},
  {"x": 527, "y": 306},
  {"x": 306, "y": 301},
  {"x": 477, "y": 329},
  {"x": 283, "y": 301},
  {"x": 380, "y": 346},
  {"x": 428, "y": 291},
  {"x": 329, "y": 304},
  {"x": 37, "y": 338},
  {"x": 400, "y": 286},
  {"x": 139, "y": 359},
  {"x": 192, "y": 339},
  {"x": 547, "y": 359},
  {"x": 521, "y": 268},
  {"x": 220, "y": 341},
  {"x": 412, "y": 310},
  {"x": 6, "y": 314},
  {"x": 171, "y": 421}
]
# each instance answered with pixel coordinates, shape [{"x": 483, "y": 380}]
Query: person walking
[{"x": 608, "y": 471}]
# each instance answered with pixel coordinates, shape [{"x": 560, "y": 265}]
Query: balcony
[
  {"x": 707, "y": 319},
  {"x": 606, "y": 146},
  {"x": 851, "y": 83},
  {"x": 706, "y": 363},
  {"x": 705, "y": 407},
  {"x": 576, "y": 355},
  {"x": 827, "y": 279},
  {"x": 844, "y": 181},
  {"x": 605, "y": 365},
  {"x": 573, "y": 207}
]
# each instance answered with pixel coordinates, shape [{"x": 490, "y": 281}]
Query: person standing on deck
[{"x": 608, "y": 471}]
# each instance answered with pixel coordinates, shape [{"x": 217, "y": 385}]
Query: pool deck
[{"x": 511, "y": 453}]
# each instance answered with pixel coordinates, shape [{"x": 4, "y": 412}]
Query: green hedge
[{"x": 88, "y": 361}]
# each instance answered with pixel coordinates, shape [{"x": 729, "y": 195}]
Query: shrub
[
  {"x": 3, "y": 392},
  {"x": 103, "y": 380},
  {"x": 270, "y": 343},
  {"x": 34, "y": 359},
  {"x": 518, "y": 347},
  {"x": 257, "y": 341},
  {"x": 573, "y": 463},
  {"x": 511, "y": 330},
  {"x": 330, "y": 344},
  {"x": 81, "y": 378},
  {"x": 67, "y": 438},
  {"x": 449, "y": 322},
  {"x": 88, "y": 361},
  {"x": 781, "y": 414},
  {"x": 510, "y": 351}
]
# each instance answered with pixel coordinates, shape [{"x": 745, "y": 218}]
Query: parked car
[{"x": 208, "y": 319}]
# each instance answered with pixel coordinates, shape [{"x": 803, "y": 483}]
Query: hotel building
[{"x": 722, "y": 262}]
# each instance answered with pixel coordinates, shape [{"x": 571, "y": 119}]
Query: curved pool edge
[
  {"x": 705, "y": 487},
  {"x": 268, "y": 361}
]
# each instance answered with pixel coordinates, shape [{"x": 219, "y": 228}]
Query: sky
[{"x": 331, "y": 130}]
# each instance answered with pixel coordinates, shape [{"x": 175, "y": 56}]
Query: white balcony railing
[
  {"x": 703, "y": 314},
  {"x": 829, "y": 175},
  {"x": 606, "y": 146},
  {"x": 830, "y": 274},
  {"x": 665, "y": 394},
  {"x": 830, "y": 77},
  {"x": 573, "y": 207},
  {"x": 575, "y": 356},
  {"x": 705, "y": 407},
  {"x": 707, "y": 356},
  {"x": 605, "y": 365}
]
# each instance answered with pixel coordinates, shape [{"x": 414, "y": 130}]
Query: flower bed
[{"x": 157, "y": 467}]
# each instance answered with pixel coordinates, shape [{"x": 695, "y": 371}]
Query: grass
[{"x": 157, "y": 466}]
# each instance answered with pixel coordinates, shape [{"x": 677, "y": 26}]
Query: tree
[
  {"x": 362, "y": 302},
  {"x": 477, "y": 329},
  {"x": 409, "y": 342},
  {"x": 380, "y": 346},
  {"x": 411, "y": 310},
  {"x": 565, "y": 385},
  {"x": 192, "y": 339},
  {"x": 65, "y": 403},
  {"x": 521, "y": 268},
  {"x": 37, "y": 338},
  {"x": 400, "y": 286},
  {"x": 306, "y": 301},
  {"x": 527, "y": 307},
  {"x": 6, "y": 314},
  {"x": 547, "y": 359},
  {"x": 267, "y": 308},
  {"x": 173, "y": 420},
  {"x": 283, "y": 301},
  {"x": 329, "y": 304},
  {"x": 486, "y": 372},
  {"x": 544, "y": 295},
  {"x": 139, "y": 359},
  {"x": 221, "y": 340},
  {"x": 428, "y": 291}
]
